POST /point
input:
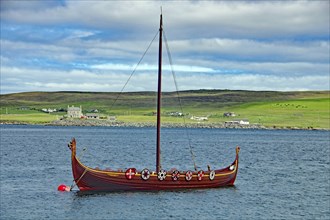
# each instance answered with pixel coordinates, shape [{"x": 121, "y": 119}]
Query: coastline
[{"x": 107, "y": 123}]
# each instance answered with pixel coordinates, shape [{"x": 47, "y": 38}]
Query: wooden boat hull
[{"x": 88, "y": 179}]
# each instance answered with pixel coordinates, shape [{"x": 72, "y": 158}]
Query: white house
[
  {"x": 199, "y": 118},
  {"x": 74, "y": 112},
  {"x": 244, "y": 122},
  {"x": 49, "y": 110},
  {"x": 238, "y": 122}
]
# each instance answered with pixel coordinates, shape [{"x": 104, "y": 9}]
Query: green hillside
[{"x": 272, "y": 109}]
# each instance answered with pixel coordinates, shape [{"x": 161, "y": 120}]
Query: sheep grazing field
[{"x": 270, "y": 109}]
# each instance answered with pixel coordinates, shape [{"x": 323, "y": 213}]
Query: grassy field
[
  {"x": 30, "y": 118},
  {"x": 303, "y": 113},
  {"x": 271, "y": 109}
]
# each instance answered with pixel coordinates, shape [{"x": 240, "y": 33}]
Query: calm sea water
[{"x": 282, "y": 174}]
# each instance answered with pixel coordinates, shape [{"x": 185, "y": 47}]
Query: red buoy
[{"x": 63, "y": 187}]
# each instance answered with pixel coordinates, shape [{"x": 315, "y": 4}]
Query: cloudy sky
[{"x": 95, "y": 45}]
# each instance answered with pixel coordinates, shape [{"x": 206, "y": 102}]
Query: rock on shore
[
  {"x": 91, "y": 122},
  {"x": 108, "y": 123}
]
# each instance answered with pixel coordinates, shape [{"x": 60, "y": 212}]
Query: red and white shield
[
  {"x": 212, "y": 175},
  {"x": 161, "y": 175},
  {"x": 189, "y": 175},
  {"x": 145, "y": 174},
  {"x": 200, "y": 175},
  {"x": 130, "y": 173},
  {"x": 175, "y": 175}
]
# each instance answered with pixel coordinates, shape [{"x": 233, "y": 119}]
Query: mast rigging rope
[
  {"x": 176, "y": 87},
  {"x": 137, "y": 65},
  {"x": 179, "y": 99}
]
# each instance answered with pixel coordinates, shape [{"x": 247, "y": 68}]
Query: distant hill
[
  {"x": 191, "y": 98},
  {"x": 257, "y": 106}
]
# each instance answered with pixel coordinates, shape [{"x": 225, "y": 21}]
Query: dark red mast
[{"x": 159, "y": 93}]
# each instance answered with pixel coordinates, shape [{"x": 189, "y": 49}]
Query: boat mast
[{"x": 159, "y": 92}]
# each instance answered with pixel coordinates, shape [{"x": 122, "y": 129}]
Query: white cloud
[
  {"x": 244, "y": 49},
  {"x": 16, "y": 80},
  {"x": 245, "y": 54},
  {"x": 279, "y": 68},
  {"x": 147, "y": 67},
  {"x": 267, "y": 82},
  {"x": 256, "y": 45},
  {"x": 80, "y": 34},
  {"x": 34, "y": 5},
  {"x": 225, "y": 18}
]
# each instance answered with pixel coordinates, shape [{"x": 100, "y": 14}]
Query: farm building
[
  {"x": 74, "y": 112},
  {"x": 229, "y": 114},
  {"x": 92, "y": 116},
  {"x": 238, "y": 122},
  {"x": 199, "y": 118}
]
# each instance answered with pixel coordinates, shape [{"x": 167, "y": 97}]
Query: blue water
[{"x": 282, "y": 174}]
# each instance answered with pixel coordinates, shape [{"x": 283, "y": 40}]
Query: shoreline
[{"x": 106, "y": 123}]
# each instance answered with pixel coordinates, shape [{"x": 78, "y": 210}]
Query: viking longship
[{"x": 89, "y": 179}]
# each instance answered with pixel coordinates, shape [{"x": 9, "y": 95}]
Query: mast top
[{"x": 161, "y": 20}]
